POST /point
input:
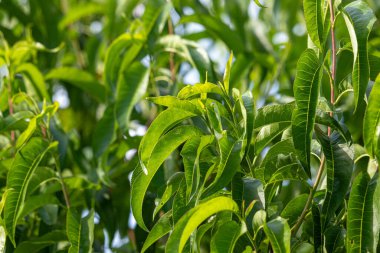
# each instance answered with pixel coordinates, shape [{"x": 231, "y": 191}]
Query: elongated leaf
[
  {"x": 36, "y": 78},
  {"x": 20, "y": 173},
  {"x": 193, "y": 218},
  {"x": 325, "y": 119},
  {"x": 294, "y": 208},
  {"x": 278, "y": 232},
  {"x": 226, "y": 236},
  {"x": 306, "y": 92},
  {"x": 143, "y": 176},
  {"x": 249, "y": 105},
  {"x": 170, "y": 101},
  {"x": 334, "y": 238},
  {"x": 114, "y": 57},
  {"x": 79, "y": 11},
  {"x": 371, "y": 129},
  {"x": 192, "y": 90},
  {"x": 359, "y": 20},
  {"x": 271, "y": 114},
  {"x": 267, "y": 134},
  {"x": 15, "y": 121},
  {"x": 34, "y": 202},
  {"x": 360, "y": 214},
  {"x": 229, "y": 164},
  {"x": 81, "y": 79},
  {"x": 160, "y": 229},
  {"x": 171, "y": 188},
  {"x": 339, "y": 165},
  {"x": 80, "y": 231},
  {"x": 104, "y": 131},
  {"x": 130, "y": 89},
  {"x": 160, "y": 125},
  {"x": 37, "y": 244},
  {"x": 314, "y": 21}
]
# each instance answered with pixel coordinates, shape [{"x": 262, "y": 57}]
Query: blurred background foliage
[{"x": 99, "y": 59}]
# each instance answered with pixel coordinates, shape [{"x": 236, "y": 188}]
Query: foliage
[{"x": 216, "y": 126}]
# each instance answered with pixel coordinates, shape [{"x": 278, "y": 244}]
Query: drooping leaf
[
  {"x": 80, "y": 231},
  {"x": 80, "y": 79},
  {"x": 229, "y": 151},
  {"x": 371, "y": 129},
  {"x": 37, "y": 244},
  {"x": 334, "y": 238},
  {"x": 339, "y": 168},
  {"x": 131, "y": 87},
  {"x": 160, "y": 125},
  {"x": 267, "y": 134},
  {"x": 359, "y": 19},
  {"x": 160, "y": 229},
  {"x": 36, "y": 78},
  {"x": 306, "y": 92},
  {"x": 194, "y": 217},
  {"x": 360, "y": 214},
  {"x": 314, "y": 23},
  {"x": 20, "y": 173},
  {"x": 143, "y": 176},
  {"x": 225, "y": 238},
  {"x": 325, "y": 119},
  {"x": 278, "y": 232}
]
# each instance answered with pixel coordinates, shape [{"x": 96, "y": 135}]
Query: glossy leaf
[
  {"x": 278, "y": 232},
  {"x": 160, "y": 229},
  {"x": 143, "y": 176},
  {"x": 360, "y": 214},
  {"x": 339, "y": 168},
  {"x": 306, "y": 92},
  {"x": 193, "y": 218},
  {"x": 371, "y": 129},
  {"x": 225, "y": 237},
  {"x": 25, "y": 163},
  {"x": 80, "y": 231},
  {"x": 314, "y": 23},
  {"x": 359, "y": 19}
]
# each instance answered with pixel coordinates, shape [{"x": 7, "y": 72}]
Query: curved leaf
[
  {"x": 161, "y": 228},
  {"x": 131, "y": 86},
  {"x": 20, "y": 173},
  {"x": 143, "y": 176},
  {"x": 194, "y": 217},
  {"x": 192, "y": 90},
  {"x": 170, "y": 101},
  {"x": 36, "y": 78},
  {"x": 371, "y": 129},
  {"x": 80, "y": 231},
  {"x": 359, "y": 19},
  {"x": 278, "y": 232},
  {"x": 226, "y": 236},
  {"x": 306, "y": 92},
  {"x": 339, "y": 165},
  {"x": 271, "y": 114},
  {"x": 294, "y": 208},
  {"x": 37, "y": 244},
  {"x": 360, "y": 214},
  {"x": 314, "y": 23},
  {"x": 81, "y": 79},
  {"x": 160, "y": 125}
]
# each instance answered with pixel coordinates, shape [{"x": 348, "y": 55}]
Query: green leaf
[
  {"x": 37, "y": 244},
  {"x": 142, "y": 176},
  {"x": 267, "y": 134},
  {"x": 81, "y": 79},
  {"x": 226, "y": 77},
  {"x": 161, "y": 228},
  {"x": 160, "y": 125},
  {"x": 79, "y": 11},
  {"x": 314, "y": 21},
  {"x": 294, "y": 208},
  {"x": 271, "y": 114},
  {"x": 16, "y": 121},
  {"x": 324, "y": 118},
  {"x": 36, "y": 78},
  {"x": 80, "y": 231},
  {"x": 115, "y": 56},
  {"x": 199, "y": 88},
  {"x": 249, "y": 105},
  {"x": 306, "y": 92},
  {"x": 104, "y": 131},
  {"x": 334, "y": 238},
  {"x": 171, "y": 188},
  {"x": 257, "y": 2},
  {"x": 130, "y": 89},
  {"x": 25, "y": 136},
  {"x": 226, "y": 236},
  {"x": 339, "y": 165},
  {"x": 24, "y": 164},
  {"x": 34, "y": 202},
  {"x": 371, "y": 129},
  {"x": 229, "y": 152},
  {"x": 360, "y": 214},
  {"x": 192, "y": 106},
  {"x": 194, "y": 217},
  {"x": 359, "y": 19},
  {"x": 278, "y": 232}
]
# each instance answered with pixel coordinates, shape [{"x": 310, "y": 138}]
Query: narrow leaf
[
  {"x": 314, "y": 23},
  {"x": 226, "y": 236},
  {"x": 306, "y": 92},
  {"x": 80, "y": 231},
  {"x": 193, "y": 218},
  {"x": 359, "y": 19},
  {"x": 278, "y": 232}
]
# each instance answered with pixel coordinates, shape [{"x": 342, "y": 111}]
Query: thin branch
[{"x": 171, "y": 55}]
